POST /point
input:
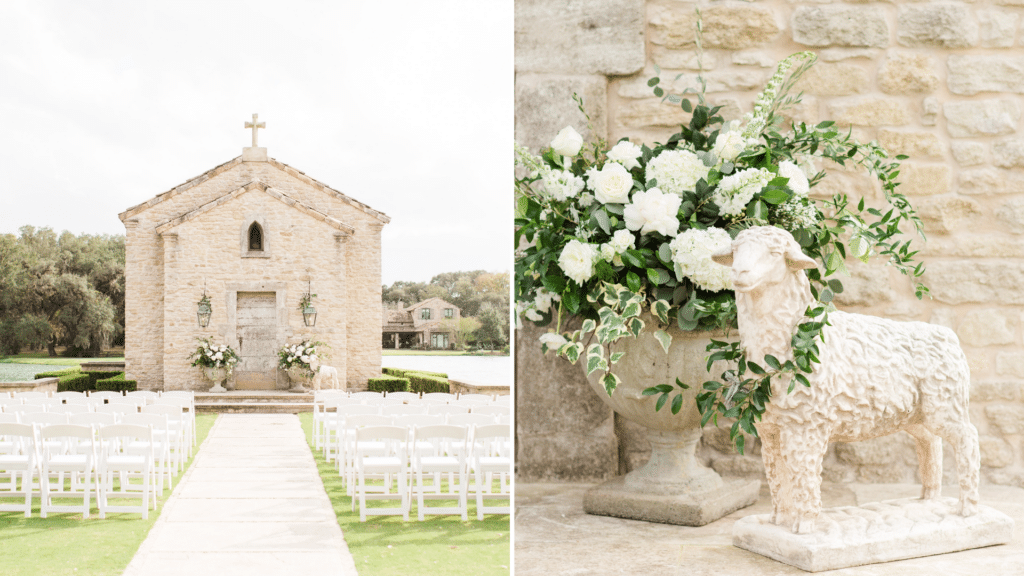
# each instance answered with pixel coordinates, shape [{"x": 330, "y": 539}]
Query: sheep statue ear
[
  {"x": 797, "y": 260},
  {"x": 723, "y": 257}
]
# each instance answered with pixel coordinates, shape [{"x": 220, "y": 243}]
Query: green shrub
[
  {"x": 74, "y": 383},
  {"x": 117, "y": 384},
  {"x": 393, "y": 371},
  {"x": 59, "y": 373},
  {"x": 389, "y": 384},
  {"x": 425, "y": 383},
  {"x": 441, "y": 375}
]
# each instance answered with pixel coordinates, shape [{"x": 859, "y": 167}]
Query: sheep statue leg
[
  {"x": 771, "y": 455},
  {"x": 929, "y": 460},
  {"x": 964, "y": 438},
  {"x": 804, "y": 451}
]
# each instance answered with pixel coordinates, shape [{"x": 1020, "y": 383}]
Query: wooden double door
[{"x": 256, "y": 329}]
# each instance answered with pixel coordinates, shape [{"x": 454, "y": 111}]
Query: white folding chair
[
  {"x": 9, "y": 446},
  {"x": 120, "y": 459},
  {"x": 336, "y": 410},
  {"x": 191, "y": 396},
  {"x": 80, "y": 400},
  {"x": 450, "y": 458},
  {"x": 446, "y": 409},
  {"x": 23, "y": 459},
  {"x": 8, "y": 401},
  {"x": 402, "y": 409},
  {"x": 24, "y": 395},
  {"x": 393, "y": 463},
  {"x": 403, "y": 396},
  {"x": 346, "y": 449},
  {"x": 67, "y": 408},
  {"x": 320, "y": 398},
  {"x": 362, "y": 395},
  {"x": 163, "y": 471},
  {"x": 188, "y": 415},
  {"x": 491, "y": 455},
  {"x": 175, "y": 436},
  {"x": 491, "y": 410},
  {"x": 503, "y": 400},
  {"x": 117, "y": 410},
  {"x": 470, "y": 419},
  {"x": 77, "y": 460},
  {"x": 440, "y": 396},
  {"x": 38, "y": 401},
  {"x": 67, "y": 394},
  {"x": 128, "y": 402},
  {"x": 149, "y": 395},
  {"x": 104, "y": 394},
  {"x": 485, "y": 398}
]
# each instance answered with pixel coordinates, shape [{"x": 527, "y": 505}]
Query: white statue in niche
[{"x": 876, "y": 377}]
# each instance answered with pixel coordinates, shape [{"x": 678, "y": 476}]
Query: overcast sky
[{"x": 403, "y": 105}]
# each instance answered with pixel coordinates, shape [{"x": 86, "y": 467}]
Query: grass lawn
[
  {"x": 65, "y": 544},
  {"x": 46, "y": 359},
  {"x": 385, "y": 545}
]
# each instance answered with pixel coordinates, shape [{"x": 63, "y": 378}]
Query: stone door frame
[{"x": 230, "y": 330}]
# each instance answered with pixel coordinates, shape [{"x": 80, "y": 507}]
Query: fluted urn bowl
[
  {"x": 673, "y": 486},
  {"x": 216, "y": 376}
]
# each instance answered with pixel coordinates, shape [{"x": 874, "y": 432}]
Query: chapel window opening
[
  {"x": 255, "y": 238},
  {"x": 449, "y": 312},
  {"x": 425, "y": 314}
]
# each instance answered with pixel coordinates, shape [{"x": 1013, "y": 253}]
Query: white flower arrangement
[
  {"x": 210, "y": 355},
  {"x": 306, "y": 356}
]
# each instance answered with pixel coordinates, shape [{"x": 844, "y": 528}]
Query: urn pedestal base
[
  {"x": 873, "y": 533},
  {"x": 614, "y": 498}
]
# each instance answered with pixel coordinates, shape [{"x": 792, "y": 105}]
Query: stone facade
[
  {"x": 195, "y": 237},
  {"x": 940, "y": 82}
]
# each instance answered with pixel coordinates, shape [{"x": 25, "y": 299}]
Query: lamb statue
[
  {"x": 326, "y": 375},
  {"x": 876, "y": 377}
]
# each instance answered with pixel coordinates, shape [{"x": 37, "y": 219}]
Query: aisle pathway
[{"x": 252, "y": 503}]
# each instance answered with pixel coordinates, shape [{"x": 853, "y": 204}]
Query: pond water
[
  {"x": 495, "y": 370},
  {"x": 22, "y": 372}
]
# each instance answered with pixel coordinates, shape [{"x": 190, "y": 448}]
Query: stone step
[{"x": 253, "y": 407}]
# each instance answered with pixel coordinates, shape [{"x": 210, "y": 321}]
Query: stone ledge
[
  {"x": 613, "y": 499},
  {"x": 102, "y": 366},
  {"x": 40, "y": 385},
  {"x": 877, "y": 532},
  {"x": 467, "y": 387}
]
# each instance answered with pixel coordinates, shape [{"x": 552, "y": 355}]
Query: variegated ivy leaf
[
  {"x": 572, "y": 353},
  {"x": 611, "y": 382},
  {"x": 636, "y": 326},
  {"x": 588, "y": 326},
  {"x": 660, "y": 310},
  {"x": 617, "y": 356},
  {"x": 632, "y": 310},
  {"x": 605, "y": 314},
  {"x": 664, "y": 338}
]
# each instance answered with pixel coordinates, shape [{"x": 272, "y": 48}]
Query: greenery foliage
[
  {"x": 61, "y": 290},
  {"x": 212, "y": 355},
  {"x": 117, "y": 384},
  {"x": 388, "y": 384},
  {"x": 425, "y": 383},
  {"x": 603, "y": 256}
]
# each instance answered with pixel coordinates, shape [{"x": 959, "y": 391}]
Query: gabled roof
[
  {"x": 250, "y": 187},
  {"x": 138, "y": 208},
  {"x": 423, "y": 303}
]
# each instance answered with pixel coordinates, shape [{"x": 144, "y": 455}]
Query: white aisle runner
[{"x": 252, "y": 504}]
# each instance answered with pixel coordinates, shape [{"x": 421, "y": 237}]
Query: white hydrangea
[
  {"x": 561, "y": 184},
  {"x": 735, "y": 191},
  {"x": 797, "y": 180},
  {"x": 676, "y": 171},
  {"x": 612, "y": 184},
  {"x": 577, "y": 260},
  {"x": 626, "y": 153},
  {"x": 691, "y": 254},
  {"x": 795, "y": 214},
  {"x": 586, "y": 199},
  {"x": 653, "y": 211},
  {"x": 568, "y": 142},
  {"x": 541, "y": 303}
]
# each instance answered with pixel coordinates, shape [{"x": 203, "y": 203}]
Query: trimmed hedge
[
  {"x": 393, "y": 371},
  {"x": 59, "y": 373},
  {"x": 402, "y": 372},
  {"x": 424, "y": 383},
  {"x": 74, "y": 383},
  {"x": 388, "y": 384},
  {"x": 117, "y": 384}
]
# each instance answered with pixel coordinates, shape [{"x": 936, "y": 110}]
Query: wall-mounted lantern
[
  {"x": 306, "y": 307},
  {"x": 204, "y": 310}
]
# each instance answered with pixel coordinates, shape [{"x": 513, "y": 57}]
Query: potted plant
[
  {"x": 217, "y": 362},
  {"x": 622, "y": 237},
  {"x": 301, "y": 361}
]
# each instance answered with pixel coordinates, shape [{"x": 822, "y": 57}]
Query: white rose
[
  {"x": 553, "y": 341},
  {"x": 623, "y": 240},
  {"x": 729, "y": 145},
  {"x": 612, "y": 184},
  {"x": 577, "y": 260},
  {"x": 653, "y": 211},
  {"x": 797, "y": 180},
  {"x": 625, "y": 153},
  {"x": 568, "y": 142}
]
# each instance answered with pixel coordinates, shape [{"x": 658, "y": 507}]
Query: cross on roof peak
[{"x": 255, "y": 125}]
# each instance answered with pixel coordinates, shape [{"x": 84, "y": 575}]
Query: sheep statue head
[{"x": 876, "y": 377}]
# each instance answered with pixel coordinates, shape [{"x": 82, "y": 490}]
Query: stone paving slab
[
  {"x": 249, "y": 509},
  {"x": 554, "y": 536},
  {"x": 248, "y": 505}
]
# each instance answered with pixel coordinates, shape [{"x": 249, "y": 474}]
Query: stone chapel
[{"x": 254, "y": 235}]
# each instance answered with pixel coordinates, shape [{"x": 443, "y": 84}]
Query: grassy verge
[
  {"x": 45, "y": 359},
  {"x": 65, "y": 544},
  {"x": 385, "y": 545}
]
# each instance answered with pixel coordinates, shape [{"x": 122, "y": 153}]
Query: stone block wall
[{"x": 940, "y": 82}]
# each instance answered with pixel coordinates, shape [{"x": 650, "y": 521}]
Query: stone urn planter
[
  {"x": 299, "y": 378},
  {"x": 216, "y": 376},
  {"x": 673, "y": 487}
]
